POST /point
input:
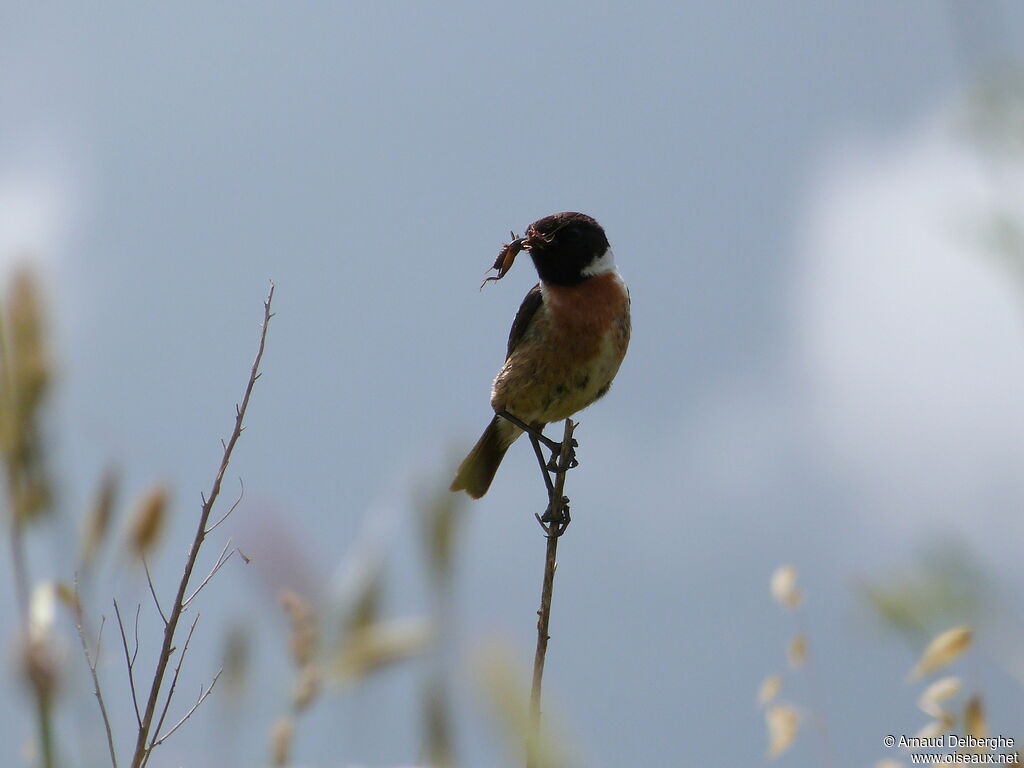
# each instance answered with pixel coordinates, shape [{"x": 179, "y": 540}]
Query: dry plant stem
[
  {"x": 152, "y": 591},
  {"x": 191, "y": 711},
  {"x": 142, "y": 743},
  {"x": 80, "y": 624},
  {"x": 157, "y": 739},
  {"x": 550, "y": 562},
  {"x": 46, "y": 732},
  {"x": 129, "y": 658},
  {"x": 174, "y": 682}
]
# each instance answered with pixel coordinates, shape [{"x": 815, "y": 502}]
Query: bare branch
[
  {"x": 221, "y": 559},
  {"x": 92, "y": 669},
  {"x": 142, "y": 742},
  {"x": 170, "y": 692},
  {"x": 225, "y": 516},
  {"x": 149, "y": 580},
  {"x": 130, "y": 662},
  {"x": 199, "y": 702}
]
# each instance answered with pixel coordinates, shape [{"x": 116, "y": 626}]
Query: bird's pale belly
[{"x": 551, "y": 375}]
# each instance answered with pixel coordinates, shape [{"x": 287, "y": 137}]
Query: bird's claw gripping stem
[
  {"x": 556, "y": 517},
  {"x": 555, "y": 464}
]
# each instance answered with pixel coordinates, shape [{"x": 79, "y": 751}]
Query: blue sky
[{"x": 770, "y": 176}]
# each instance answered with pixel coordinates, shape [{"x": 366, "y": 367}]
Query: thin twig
[
  {"x": 550, "y": 564},
  {"x": 92, "y": 669},
  {"x": 152, "y": 591},
  {"x": 199, "y": 703},
  {"x": 170, "y": 691},
  {"x": 143, "y": 740},
  {"x": 129, "y": 662},
  {"x": 241, "y": 495},
  {"x": 221, "y": 559},
  {"x": 135, "y": 653}
]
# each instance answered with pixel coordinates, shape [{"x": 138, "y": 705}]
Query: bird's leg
[
  {"x": 532, "y": 431},
  {"x": 543, "y": 467},
  {"x": 556, "y": 517},
  {"x": 554, "y": 465}
]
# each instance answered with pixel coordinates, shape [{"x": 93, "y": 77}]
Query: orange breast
[
  {"x": 569, "y": 354},
  {"x": 588, "y": 310}
]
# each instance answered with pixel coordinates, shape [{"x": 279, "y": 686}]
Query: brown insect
[
  {"x": 506, "y": 256},
  {"x": 509, "y": 251}
]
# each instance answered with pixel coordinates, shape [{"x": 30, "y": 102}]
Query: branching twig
[
  {"x": 129, "y": 661},
  {"x": 222, "y": 558},
  {"x": 187, "y": 715},
  {"x": 544, "y": 614},
  {"x": 79, "y": 624},
  {"x": 170, "y": 692},
  {"x": 135, "y": 652},
  {"x": 241, "y": 495},
  {"x": 143, "y": 742},
  {"x": 149, "y": 580}
]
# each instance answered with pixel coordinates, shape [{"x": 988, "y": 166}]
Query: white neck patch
[{"x": 602, "y": 265}]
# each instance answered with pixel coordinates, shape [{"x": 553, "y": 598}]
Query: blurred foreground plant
[
  {"x": 24, "y": 384},
  {"x": 783, "y": 720}
]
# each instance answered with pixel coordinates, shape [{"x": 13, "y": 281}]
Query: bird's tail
[{"x": 477, "y": 470}]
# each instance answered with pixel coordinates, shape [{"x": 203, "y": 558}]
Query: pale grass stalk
[{"x": 91, "y": 662}]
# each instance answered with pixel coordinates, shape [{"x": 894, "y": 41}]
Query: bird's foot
[
  {"x": 556, "y": 517},
  {"x": 555, "y": 464}
]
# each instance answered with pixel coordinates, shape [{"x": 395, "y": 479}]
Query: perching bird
[{"x": 567, "y": 340}]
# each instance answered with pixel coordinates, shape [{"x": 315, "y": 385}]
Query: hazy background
[{"x": 826, "y": 368}]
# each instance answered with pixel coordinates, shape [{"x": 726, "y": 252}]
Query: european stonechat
[{"x": 567, "y": 340}]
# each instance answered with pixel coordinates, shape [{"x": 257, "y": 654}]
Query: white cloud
[
  {"x": 34, "y": 213},
  {"x": 41, "y": 209},
  {"x": 911, "y": 333}
]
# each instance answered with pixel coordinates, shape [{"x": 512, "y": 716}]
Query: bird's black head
[{"x": 565, "y": 247}]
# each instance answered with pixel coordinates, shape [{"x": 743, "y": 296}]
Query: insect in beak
[{"x": 506, "y": 256}]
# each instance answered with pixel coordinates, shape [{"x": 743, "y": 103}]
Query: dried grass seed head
[
  {"x": 769, "y": 689},
  {"x": 98, "y": 523},
  {"x": 974, "y": 717},
  {"x": 783, "y": 722},
  {"x": 931, "y": 699},
  {"x": 944, "y": 649},
  {"x": 148, "y": 521},
  {"x": 304, "y": 626},
  {"x": 797, "y": 651},
  {"x": 784, "y": 586}
]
